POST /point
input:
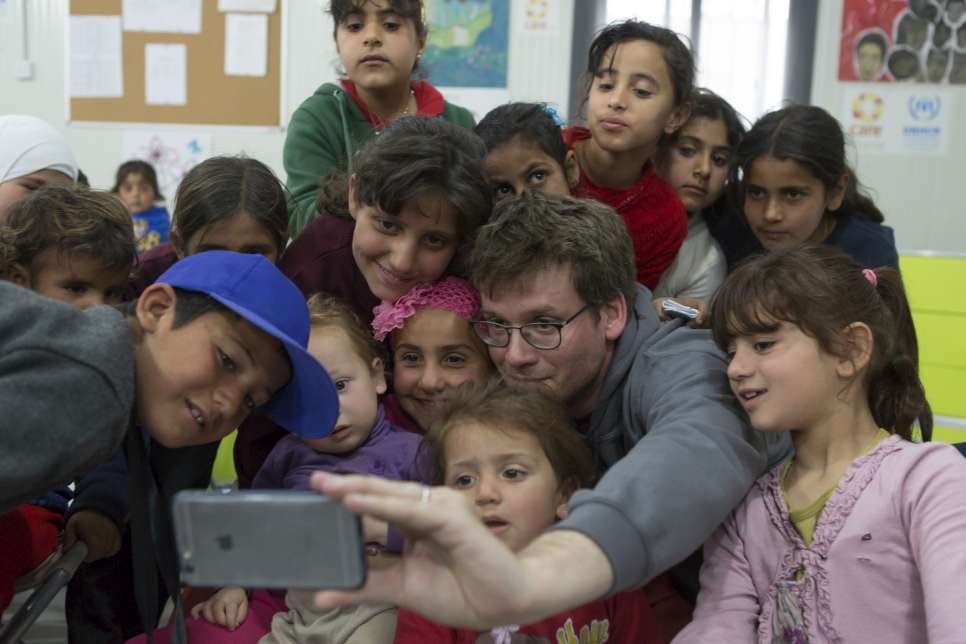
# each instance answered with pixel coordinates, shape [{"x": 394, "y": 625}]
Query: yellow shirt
[{"x": 804, "y": 519}]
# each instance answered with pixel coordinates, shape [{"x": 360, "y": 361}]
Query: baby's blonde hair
[{"x": 328, "y": 311}]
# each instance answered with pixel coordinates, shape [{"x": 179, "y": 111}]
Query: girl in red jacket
[{"x": 640, "y": 82}]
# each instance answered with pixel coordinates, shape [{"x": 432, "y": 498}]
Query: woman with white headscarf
[{"x": 32, "y": 155}]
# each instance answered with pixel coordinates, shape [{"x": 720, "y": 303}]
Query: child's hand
[
  {"x": 99, "y": 532},
  {"x": 697, "y": 323},
  {"x": 375, "y": 531},
  {"x": 228, "y": 607}
]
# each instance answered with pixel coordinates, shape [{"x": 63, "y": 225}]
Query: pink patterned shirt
[{"x": 887, "y": 561}]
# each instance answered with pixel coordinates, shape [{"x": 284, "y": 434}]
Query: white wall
[
  {"x": 922, "y": 196},
  {"x": 538, "y": 70}
]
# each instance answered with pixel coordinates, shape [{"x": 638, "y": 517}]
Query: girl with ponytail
[
  {"x": 861, "y": 530},
  {"x": 793, "y": 184}
]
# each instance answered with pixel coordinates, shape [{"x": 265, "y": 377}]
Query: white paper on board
[
  {"x": 95, "y": 57},
  {"x": 177, "y": 16},
  {"x": 246, "y": 44},
  {"x": 247, "y": 6},
  {"x": 165, "y": 74}
]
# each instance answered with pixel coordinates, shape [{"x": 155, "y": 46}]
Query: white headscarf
[{"x": 28, "y": 144}]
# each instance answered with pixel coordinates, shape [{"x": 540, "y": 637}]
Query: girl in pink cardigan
[{"x": 859, "y": 537}]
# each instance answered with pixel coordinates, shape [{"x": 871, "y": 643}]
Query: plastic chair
[{"x": 49, "y": 578}]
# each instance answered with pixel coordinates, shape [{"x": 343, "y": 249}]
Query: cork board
[{"x": 212, "y": 97}]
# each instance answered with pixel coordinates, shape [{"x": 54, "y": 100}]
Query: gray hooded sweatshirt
[
  {"x": 66, "y": 391},
  {"x": 677, "y": 448}
]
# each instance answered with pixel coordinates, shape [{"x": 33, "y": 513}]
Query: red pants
[
  {"x": 669, "y": 608},
  {"x": 262, "y": 606},
  {"x": 28, "y": 535}
]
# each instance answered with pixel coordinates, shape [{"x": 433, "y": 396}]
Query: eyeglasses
[{"x": 539, "y": 335}]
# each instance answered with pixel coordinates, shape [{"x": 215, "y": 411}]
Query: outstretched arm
[{"x": 455, "y": 571}]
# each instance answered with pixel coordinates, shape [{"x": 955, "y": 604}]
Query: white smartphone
[
  {"x": 675, "y": 309},
  {"x": 268, "y": 539}
]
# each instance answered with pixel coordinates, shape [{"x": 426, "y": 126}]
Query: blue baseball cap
[{"x": 252, "y": 287}]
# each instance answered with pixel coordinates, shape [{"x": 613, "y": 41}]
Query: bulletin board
[{"x": 213, "y": 98}]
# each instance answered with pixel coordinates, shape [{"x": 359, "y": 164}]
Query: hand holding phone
[{"x": 268, "y": 539}]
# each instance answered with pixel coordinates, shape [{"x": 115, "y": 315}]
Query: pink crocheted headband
[{"x": 450, "y": 294}]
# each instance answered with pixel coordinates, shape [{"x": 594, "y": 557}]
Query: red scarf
[
  {"x": 429, "y": 102},
  {"x": 651, "y": 210}
]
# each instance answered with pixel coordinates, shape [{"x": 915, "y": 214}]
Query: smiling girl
[
  {"x": 434, "y": 349},
  {"x": 379, "y": 44},
  {"x": 857, "y": 537},
  {"x": 417, "y": 197},
  {"x": 404, "y": 218}
]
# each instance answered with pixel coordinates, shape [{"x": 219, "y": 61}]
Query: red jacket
[{"x": 651, "y": 210}]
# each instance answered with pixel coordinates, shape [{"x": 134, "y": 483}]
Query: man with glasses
[{"x": 562, "y": 313}]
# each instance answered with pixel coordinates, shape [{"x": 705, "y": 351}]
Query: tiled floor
[{"x": 50, "y": 627}]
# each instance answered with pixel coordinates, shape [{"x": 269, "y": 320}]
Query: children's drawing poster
[
  {"x": 922, "y": 41},
  {"x": 468, "y": 42},
  {"x": 466, "y": 53},
  {"x": 171, "y": 153}
]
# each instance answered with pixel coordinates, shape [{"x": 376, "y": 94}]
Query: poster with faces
[{"x": 912, "y": 41}]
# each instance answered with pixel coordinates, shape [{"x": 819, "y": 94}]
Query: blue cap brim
[{"x": 309, "y": 404}]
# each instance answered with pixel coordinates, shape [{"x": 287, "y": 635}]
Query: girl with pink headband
[{"x": 434, "y": 349}]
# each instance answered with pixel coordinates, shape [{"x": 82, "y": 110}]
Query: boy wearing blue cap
[{"x": 218, "y": 335}]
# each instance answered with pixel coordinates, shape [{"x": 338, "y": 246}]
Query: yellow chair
[
  {"x": 223, "y": 472},
  {"x": 936, "y": 286}
]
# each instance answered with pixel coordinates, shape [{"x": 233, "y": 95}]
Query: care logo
[
  {"x": 924, "y": 108},
  {"x": 537, "y": 9},
  {"x": 867, "y": 107}
]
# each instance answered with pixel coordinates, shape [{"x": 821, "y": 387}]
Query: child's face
[
  {"x": 507, "y": 477},
  {"x": 240, "y": 234},
  {"x": 358, "y": 383},
  {"x": 198, "y": 382},
  {"x": 75, "y": 278},
  {"x": 136, "y": 193},
  {"x": 869, "y": 57},
  {"x": 396, "y": 252},
  {"x": 377, "y": 47},
  {"x": 435, "y": 351},
  {"x": 785, "y": 203},
  {"x": 697, "y": 163},
  {"x": 631, "y": 100},
  {"x": 521, "y": 164},
  {"x": 784, "y": 380},
  {"x": 16, "y": 189}
]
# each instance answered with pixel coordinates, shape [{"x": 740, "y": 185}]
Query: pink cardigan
[{"x": 887, "y": 561}]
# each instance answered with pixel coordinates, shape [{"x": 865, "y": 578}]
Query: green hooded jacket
[{"x": 324, "y": 133}]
